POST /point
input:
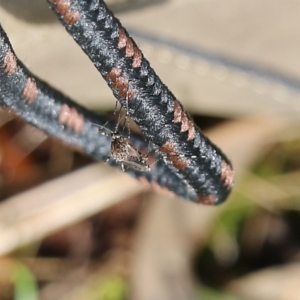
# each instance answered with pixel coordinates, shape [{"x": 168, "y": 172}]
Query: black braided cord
[
  {"x": 49, "y": 110},
  {"x": 151, "y": 105}
]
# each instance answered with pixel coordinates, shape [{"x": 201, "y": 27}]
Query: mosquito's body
[
  {"x": 125, "y": 153},
  {"x": 122, "y": 151}
]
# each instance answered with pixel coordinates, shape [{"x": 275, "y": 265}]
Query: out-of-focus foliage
[{"x": 24, "y": 281}]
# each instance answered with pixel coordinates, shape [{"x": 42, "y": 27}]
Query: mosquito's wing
[
  {"x": 136, "y": 165},
  {"x": 136, "y": 160},
  {"x": 132, "y": 151}
]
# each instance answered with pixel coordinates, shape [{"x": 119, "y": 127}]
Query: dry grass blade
[
  {"x": 276, "y": 283},
  {"x": 35, "y": 214}
]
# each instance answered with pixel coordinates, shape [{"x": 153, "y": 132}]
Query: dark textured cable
[
  {"x": 47, "y": 109},
  {"x": 151, "y": 105}
]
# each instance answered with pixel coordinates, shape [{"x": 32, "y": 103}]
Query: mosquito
[{"x": 122, "y": 151}]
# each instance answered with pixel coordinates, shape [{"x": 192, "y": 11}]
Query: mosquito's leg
[
  {"x": 155, "y": 153},
  {"x": 102, "y": 132},
  {"x": 127, "y": 117},
  {"x": 119, "y": 117},
  {"x": 122, "y": 166},
  {"x": 115, "y": 109},
  {"x": 107, "y": 160},
  {"x": 103, "y": 126}
]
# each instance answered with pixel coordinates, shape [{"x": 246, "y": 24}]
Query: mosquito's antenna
[{"x": 102, "y": 126}]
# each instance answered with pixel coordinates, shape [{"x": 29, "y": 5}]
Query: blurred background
[{"x": 71, "y": 228}]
